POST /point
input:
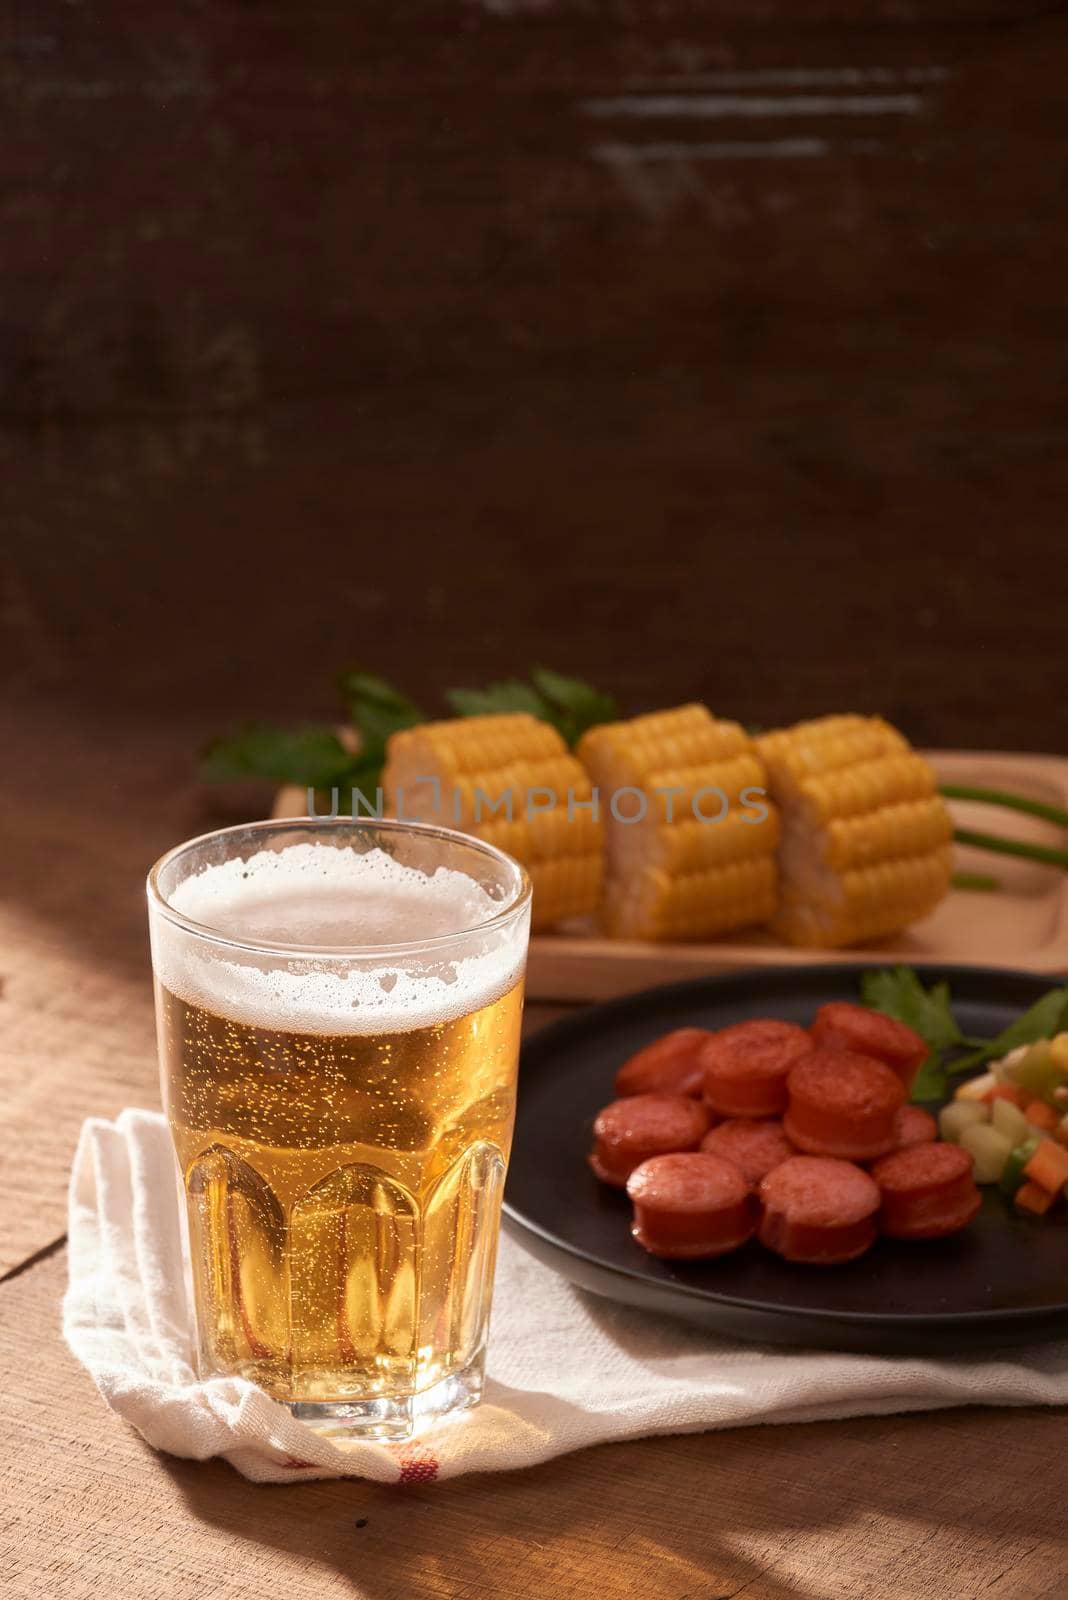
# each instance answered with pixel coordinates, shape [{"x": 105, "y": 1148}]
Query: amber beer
[{"x": 339, "y": 1075}]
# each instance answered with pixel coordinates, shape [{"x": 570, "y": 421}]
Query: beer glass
[{"x": 338, "y": 1007}]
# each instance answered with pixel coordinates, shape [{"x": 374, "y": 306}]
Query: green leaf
[
  {"x": 932, "y": 1081},
  {"x": 377, "y": 709},
  {"x": 567, "y": 704},
  {"x": 1048, "y": 1015},
  {"x": 312, "y": 756},
  {"x": 316, "y": 757},
  {"x": 897, "y": 992},
  {"x": 975, "y": 882},
  {"x": 498, "y": 698},
  {"x": 574, "y": 705}
]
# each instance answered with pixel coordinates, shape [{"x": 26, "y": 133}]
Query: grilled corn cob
[
  {"x": 865, "y": 835},
  {"x": 679, "y": 870},
  {"x": 512, "y": 781}
]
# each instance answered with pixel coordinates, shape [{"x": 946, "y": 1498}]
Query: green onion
[
  {"x": 999, "y": 797},
  {"x": 1012, "y": 847},
  {"x": 977, "y": 881}
]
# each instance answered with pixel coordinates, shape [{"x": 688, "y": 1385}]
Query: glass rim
[{"x": 203, "y": 930}]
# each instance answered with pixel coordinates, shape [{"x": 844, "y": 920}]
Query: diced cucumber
[
  {"x": 1010, "y": 1120},
  {"x": 1012, "y": 1174},
  {"x": 961, "y": 1114},
  {"x": 989, "y": 1148}
]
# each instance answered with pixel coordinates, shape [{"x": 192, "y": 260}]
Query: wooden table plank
[{"x": 946, "y": 1506}]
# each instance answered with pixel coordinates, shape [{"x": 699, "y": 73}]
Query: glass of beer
[{"x": 338, "y": 1007}]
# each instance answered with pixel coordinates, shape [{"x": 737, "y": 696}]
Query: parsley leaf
[
  {"x": 574, "y": 706},
  {"x": 1048, "y": 1015},
  {"x": 932, "y": 1080},
  {"x": 897, "y": 992},
  {"x": 312, "y": 756},
  {"x": 316, "y": 757},
  {"x": 567, "y": 704},
  {"x": 497, "y": 699},
  {"x": 377, "y": 710}
]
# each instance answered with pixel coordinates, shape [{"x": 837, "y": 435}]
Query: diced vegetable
[
  {"x": 1009, "y": 1092},
  {"x": 1058, "y": 1049},
  {"x": 958, "y": 1115},
  {"x": 1004, "y": 1069},
  {"x": 1038, "y": 1073},
  {"x": 989, "y": 1149},
  {"x": 977, "y": 1088},
  {"x": 1048, "y": 1166},
  {"x": 1030, "y": 1197},
  {"x": 1010, "y": 1120},
  {"x": 1041, "y": 1115},
  {"x": 1060, "y": 1132},
  {"x": 1013, "y": 1171}
]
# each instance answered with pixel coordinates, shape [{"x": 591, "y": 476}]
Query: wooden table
[{"x": 944, "y": 1506}]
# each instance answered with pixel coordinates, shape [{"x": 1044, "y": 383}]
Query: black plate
[{"x": 1004, "y": 1280}]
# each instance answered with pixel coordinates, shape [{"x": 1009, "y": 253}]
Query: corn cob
[
  {"x": 865, "y": 835},
  {"x": 490, "y": 776},
  {"x": 671, "y": 873}
]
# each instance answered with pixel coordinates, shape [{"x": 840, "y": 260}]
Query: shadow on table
[{"x": 687, "y": 1517}]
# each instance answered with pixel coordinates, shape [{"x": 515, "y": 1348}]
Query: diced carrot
[
  {"x": 1006, "y": 1091},
  {"x": 1041, "y": 1115},
  {"x": 1031, "y": 1197},
  {"x": 1048, "y": 1167},
  {"x": 1060, "y": 1132}
]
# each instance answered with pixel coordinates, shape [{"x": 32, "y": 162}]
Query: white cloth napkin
[{"x": 566, "y": 1369}]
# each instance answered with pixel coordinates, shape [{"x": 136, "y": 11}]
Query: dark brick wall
[{"x": 708, "y": 350}]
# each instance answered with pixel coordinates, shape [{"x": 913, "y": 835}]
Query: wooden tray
[{"x": 1024, "y": 924}]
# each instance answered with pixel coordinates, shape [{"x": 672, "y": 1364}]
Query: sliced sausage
[
  {"x": 927, "y": 1191},
  {"x": 691, "y": 1205},
  {"x": 629, "y": 1131},
  {"x": 746, "y": 1067},
  {"x": 755, "y": 1148},
  {"x": 670, "y": 1065},
  {"x": 914, "y": 1125},
  {"x": 818, "y": 1211},
  {"x": 843, "y": 1105},
  {"x": 841, "y": 1025}
]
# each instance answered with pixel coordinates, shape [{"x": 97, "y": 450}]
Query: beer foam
[{"x": 319, "y": 895}]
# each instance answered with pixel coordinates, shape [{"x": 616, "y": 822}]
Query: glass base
[{"x": 395, "y": 1416}]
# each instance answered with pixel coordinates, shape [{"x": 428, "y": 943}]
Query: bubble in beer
[{"x": 342, "y": 1121}]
